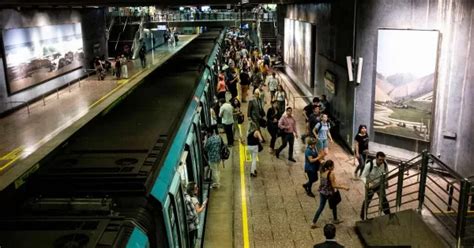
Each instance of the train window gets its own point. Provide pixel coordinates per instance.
(182, 168)
(181, 210)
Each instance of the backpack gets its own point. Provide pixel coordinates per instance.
(225, 152)
(321, 125)
(372, 166)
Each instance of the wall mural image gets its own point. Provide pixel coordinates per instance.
(37, 54)
(405, 74)
(298, 43)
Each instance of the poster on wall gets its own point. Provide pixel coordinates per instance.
(298, 46)
(37, 54)
(405, 78)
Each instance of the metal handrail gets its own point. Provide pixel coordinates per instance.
(120, 34)
(424, 166)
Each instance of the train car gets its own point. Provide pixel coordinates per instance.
(118, 181)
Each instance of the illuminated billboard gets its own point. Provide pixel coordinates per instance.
(298, 55)
(405, 78)
(37, 54)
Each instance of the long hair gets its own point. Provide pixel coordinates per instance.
(360, 128)
(327, 165)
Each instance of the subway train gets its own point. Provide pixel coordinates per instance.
(118, 181)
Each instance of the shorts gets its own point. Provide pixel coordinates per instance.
(322, 143)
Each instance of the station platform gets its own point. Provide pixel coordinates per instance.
(29, 134)
(272, 209)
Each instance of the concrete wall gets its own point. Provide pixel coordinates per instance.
(333, 43)
(93, 30)
(452, 132)
(453, 112)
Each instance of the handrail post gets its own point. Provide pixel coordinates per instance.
(383, 179)
(423, 176)
(450, 196)
(401, 173)
(462, 211)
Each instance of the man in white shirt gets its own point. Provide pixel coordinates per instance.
(226, 113)
(374, 170)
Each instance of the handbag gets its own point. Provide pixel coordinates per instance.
(225, 152)
(240, 118)
(260, 147)
(335, 197)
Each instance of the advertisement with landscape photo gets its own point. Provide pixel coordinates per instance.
(406, 69)
(37, 54)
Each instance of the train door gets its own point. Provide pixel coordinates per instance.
(205, 110)
(199, 149)
(175, 212)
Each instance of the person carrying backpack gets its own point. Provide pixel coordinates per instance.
(371, 176)
(213, 148)
(322, 133)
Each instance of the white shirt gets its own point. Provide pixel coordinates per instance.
(226, 113)
(373, 176)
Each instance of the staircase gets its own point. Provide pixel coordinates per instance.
(429, 205)
(122, 36)
(268, 34)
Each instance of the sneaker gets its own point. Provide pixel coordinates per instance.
(335, 222)
(253, 175)
(310, 194)
(292, 159)
(314, 226)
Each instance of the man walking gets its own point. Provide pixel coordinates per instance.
(288, 124)
(213, 148)
(372, 175)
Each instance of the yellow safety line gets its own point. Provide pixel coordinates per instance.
(12, 156)
(243, 189)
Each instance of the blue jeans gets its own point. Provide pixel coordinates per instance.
(322, 202)
(360, 168)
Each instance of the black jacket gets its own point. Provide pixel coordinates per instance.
(328, 244)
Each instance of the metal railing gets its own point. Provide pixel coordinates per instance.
(445, 197)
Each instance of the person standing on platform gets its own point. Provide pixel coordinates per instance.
(327, 188)
(142, 55)
(373, 172)
(254, 138)
(322, 132)
(312, 161)
(288, 124)
(213, 147)
(330, 234)
(244, 83)
(255, 110)
(221, 87)
(118, 67)
(236, 113)
(193, 208)
(361, 149)
(273, 115)
(191, 218)
(226, 112)
(123, 64)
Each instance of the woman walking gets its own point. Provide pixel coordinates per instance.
(254, 138)
(321, 131)
(280, 97)
(361, 149)
(327, 188)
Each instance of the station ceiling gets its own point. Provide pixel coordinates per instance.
(101, 3)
